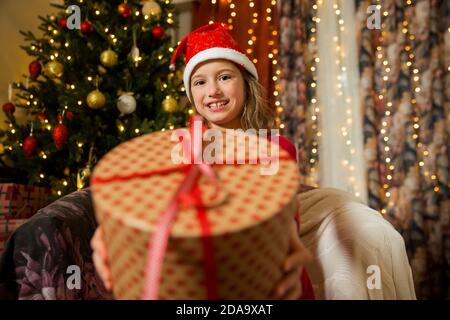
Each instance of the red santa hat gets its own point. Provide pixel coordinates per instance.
(213, 41)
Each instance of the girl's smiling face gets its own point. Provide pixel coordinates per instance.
(217, 88)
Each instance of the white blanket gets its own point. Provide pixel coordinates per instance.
(357, 253)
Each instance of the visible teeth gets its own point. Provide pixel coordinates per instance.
(216, 105)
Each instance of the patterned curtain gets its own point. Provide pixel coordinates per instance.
(405, 93)
(296, 59)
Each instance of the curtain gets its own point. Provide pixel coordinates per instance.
(341, 146)
(404, 61)
(298, 101)
(319, 92)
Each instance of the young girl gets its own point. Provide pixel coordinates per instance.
(222, 83)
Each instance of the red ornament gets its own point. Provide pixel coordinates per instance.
(67, 115)
(29, 146)
(124, 10)
(60, 136)
(158, 32)
(86, 26)
(8, 108)
(63, 23)
(35, 69)
(42, 116)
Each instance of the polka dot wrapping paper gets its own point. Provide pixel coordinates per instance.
(248, 233)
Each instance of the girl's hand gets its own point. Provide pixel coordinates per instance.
(290, 287)
(100, 258)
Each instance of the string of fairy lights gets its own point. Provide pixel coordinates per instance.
(233, 13)
(383, 97)
(314, 109)
(345, 100)
(251, 33)
(414, 72)
(273, 58)
(231, 8)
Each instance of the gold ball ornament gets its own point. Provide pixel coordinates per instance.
(151, 8)
(170, 104)
(95, 99)
(54, 69)
(108, 58)
(66, 171)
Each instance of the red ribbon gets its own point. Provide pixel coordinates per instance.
(209, 264)
(188, 193)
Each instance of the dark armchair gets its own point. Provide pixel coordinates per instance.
(49, 256)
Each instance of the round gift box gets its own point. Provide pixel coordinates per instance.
(249, 231)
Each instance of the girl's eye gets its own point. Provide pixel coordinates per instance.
(225, 77)
(199, 83)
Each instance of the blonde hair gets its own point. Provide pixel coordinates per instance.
(257, 114)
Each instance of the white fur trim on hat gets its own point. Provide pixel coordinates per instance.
(216, 53)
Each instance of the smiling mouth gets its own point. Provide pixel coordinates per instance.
(217, 106)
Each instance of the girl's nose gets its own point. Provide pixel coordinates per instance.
(214, 89)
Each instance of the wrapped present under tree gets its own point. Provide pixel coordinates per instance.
(18, 201)
(7, 227)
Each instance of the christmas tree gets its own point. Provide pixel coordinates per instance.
(99, 75)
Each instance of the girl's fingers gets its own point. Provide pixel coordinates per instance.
(290, 283)
(98, 245)
(100, 258)
(96, 241)
(102, 271)
(299, 254)
(296, 260)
